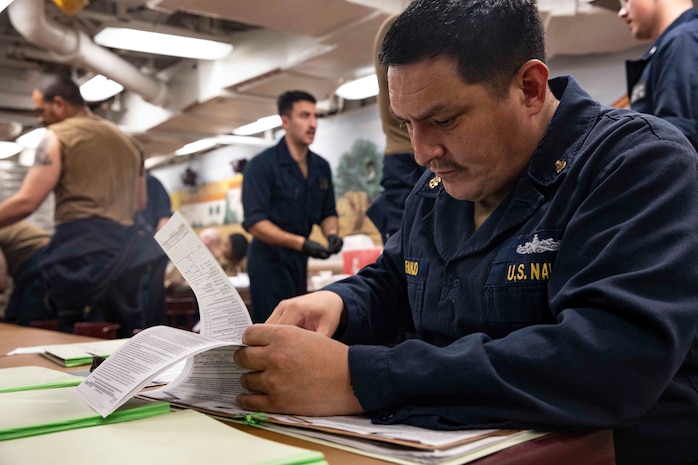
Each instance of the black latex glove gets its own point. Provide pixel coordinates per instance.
(334, 243)
(315, 249)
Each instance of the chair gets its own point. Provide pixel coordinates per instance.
(181, 311)
(99, 329)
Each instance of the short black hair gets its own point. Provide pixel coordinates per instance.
(488, 39)
(60, 85)
(286, 100)
(238, 245)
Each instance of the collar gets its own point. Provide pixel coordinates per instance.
(284, 154)
(573, 119)
(685, 17)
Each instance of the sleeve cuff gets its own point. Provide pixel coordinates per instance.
(370, 378)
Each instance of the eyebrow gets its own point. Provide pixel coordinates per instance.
(436, 109)
(392, 113)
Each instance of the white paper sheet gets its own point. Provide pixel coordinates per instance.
(208, 373)
(223, 312)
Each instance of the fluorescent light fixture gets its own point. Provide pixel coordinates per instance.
(261, 125)
(359, 89)
(162, 44)
(196, 146)
(229, 139)
(156, 160)
(4, 4)
(9, 149)
(99, 88)
(31, 139)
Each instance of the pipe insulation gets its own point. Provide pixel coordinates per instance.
(71, 45)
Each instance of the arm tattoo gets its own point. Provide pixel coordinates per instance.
(41, 157)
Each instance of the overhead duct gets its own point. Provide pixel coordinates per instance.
(70, 45)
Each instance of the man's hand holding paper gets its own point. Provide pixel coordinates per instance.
(290, 372)
(319, 312)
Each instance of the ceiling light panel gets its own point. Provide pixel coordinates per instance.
(359, 89)
(162, 44)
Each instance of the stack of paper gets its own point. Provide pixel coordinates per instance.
(383, 448)
(34, 403)
(34, 377)
(71, 355)
(34, 412)
(184, 437)
(402, 444)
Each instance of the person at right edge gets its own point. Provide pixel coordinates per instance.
(546, 260)
(664, 82)
(285, 191)
(400, 171)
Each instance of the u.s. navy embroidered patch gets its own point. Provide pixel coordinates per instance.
(525, 259)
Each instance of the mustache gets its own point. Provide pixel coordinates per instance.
(441, 166)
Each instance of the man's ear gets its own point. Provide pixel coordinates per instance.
(61, 105)
(532, 80)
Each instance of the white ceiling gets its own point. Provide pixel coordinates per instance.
(279, 45)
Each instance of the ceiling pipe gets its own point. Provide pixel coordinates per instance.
(71, 45)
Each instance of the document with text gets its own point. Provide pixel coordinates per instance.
(209, 371)
(210, 379)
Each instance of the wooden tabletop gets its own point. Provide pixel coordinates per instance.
(559, 449)
(12, 336)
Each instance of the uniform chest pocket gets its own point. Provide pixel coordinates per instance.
(288, 205)
(516, 291)
(315, 203)
(520, 305)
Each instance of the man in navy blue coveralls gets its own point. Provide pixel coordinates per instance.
(285, 191)
(546, 262)
(664, 82)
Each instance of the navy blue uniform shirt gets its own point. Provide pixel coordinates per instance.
(573, 306)
(274, 189)
(664, 82)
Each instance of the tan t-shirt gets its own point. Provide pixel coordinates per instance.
(19, 242)
(397, 140)
(101, 168)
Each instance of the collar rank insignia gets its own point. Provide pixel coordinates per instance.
(434, 182)
(560, 165)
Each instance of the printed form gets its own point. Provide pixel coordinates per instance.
(210, 380)
(209, 372)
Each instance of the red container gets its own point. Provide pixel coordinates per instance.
(356, 259)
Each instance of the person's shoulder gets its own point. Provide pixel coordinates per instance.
(634, 132)
(263, 162)
(685, 33)
(265, 156)
(320, 160)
